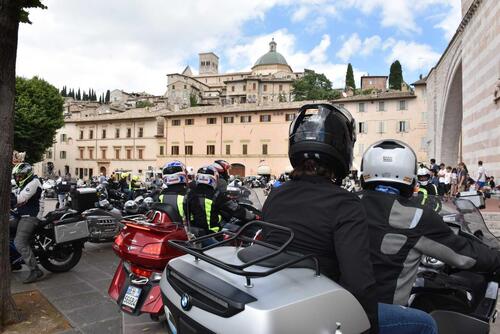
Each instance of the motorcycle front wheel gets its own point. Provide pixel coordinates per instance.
(61, 259)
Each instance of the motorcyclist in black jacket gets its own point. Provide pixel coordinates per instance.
(175, 186)
(402, 230)
(328, 221)
(222, 167)
(208, 206)
(26, 201)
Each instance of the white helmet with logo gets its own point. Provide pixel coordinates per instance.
(423, 176)
(389, 162)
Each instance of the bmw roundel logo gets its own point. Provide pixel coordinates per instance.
(185, 302)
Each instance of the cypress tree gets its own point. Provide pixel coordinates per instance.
(349, 77)
(108, 96)
(78, 95)
(395, 76)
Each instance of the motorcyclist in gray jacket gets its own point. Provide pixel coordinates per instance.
(26, 201)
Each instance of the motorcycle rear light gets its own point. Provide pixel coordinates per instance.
(153, 249)
(141, 272)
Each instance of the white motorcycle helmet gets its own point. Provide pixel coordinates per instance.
(148, 202)
(423, 176)
(389, 162)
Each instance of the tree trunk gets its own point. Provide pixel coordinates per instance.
(9, 26)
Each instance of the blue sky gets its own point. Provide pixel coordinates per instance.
(132, 45)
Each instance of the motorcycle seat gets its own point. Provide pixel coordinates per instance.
(255, 251)
(55, 215)
(169, 210)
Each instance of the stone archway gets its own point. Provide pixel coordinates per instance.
(451, 129)
(102, 170)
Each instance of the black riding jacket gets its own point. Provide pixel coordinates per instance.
(328, 222)
(207, 207)
(401, 231)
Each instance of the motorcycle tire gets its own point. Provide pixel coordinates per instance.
(67, 264)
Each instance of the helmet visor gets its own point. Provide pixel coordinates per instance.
(423, 178)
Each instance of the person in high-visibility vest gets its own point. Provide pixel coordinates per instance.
(427, 191)
(207, 205)
(175, 182)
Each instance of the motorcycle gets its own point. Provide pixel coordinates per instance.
(263, 288)
(143, 250)
(57, 241)
(460, 301)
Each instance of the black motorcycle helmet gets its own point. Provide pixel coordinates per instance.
(325, 133)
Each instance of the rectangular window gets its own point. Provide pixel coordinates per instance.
(264, 149)
(140, 152)
(81, 153)
(103, 133)
(63, 138)
(85, 171)
(280, 88)
(129, 132)
(289, 117)
(91, 153)
(264, 88)
(245, 119)
(362, 127)
(174, 150)
(49, 154)
(232, 88)
(381, 127)
(141, 133)
(228, 149)
(402, 105)
(103, 154)
(254, 86)
(185, 86)
(361, 107)
(228, 119)
(162, 150)
(91, 134)
(403, 126)
(210, 149)
(176, 122)
(188, 150)
(265, 118)
(189, 121)
(173, 87)
(117, 153)
(244, 88)
(81, 134)
(117, 133)
(129, 154)
(381, 106)
(211, 120)
(244, 149)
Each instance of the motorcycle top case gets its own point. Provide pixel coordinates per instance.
(70, 230)
(83, 199)
(202, 298)
(476, 197)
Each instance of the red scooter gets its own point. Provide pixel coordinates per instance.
(142, 246)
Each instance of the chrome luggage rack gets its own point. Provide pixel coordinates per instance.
(193, 248)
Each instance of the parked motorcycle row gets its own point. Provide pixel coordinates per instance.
(164, 270)
(89, 215)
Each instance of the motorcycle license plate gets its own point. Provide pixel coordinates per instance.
(132, 296)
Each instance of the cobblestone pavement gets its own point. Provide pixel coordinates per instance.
(81, 294)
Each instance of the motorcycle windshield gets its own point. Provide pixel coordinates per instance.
(244, 195)
(464, 213)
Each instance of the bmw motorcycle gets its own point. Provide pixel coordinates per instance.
(263, 288)
(57, 242)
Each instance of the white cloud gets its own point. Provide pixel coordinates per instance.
(451, 19)
(316, 59)
(413, 56)
(316, 12)
(370, 44)
(107, 44)
(351, 46)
